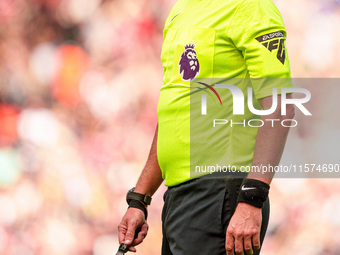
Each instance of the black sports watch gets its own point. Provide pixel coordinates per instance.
(131, 195)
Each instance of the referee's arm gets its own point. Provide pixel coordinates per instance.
(148, 182)
(245, 224)
(271, 139)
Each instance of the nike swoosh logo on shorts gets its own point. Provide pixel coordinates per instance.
(247, 188)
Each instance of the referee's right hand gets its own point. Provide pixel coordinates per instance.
(243, 232)
(133, 219)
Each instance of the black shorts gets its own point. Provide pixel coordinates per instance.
(196, 215)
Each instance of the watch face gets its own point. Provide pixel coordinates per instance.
(131, 190)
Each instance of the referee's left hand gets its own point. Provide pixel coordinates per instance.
(244, 230)
(132, 219)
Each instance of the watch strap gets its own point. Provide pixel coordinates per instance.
(145, 199)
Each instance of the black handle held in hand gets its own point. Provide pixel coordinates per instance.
(123, 248)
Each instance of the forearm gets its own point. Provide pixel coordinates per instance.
(151, 176)
(268, 150)
(148, 183)
(270, 142)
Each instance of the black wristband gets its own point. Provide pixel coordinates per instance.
(253, 192)
(139, 205)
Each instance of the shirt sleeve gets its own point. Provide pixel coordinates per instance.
(258, 32)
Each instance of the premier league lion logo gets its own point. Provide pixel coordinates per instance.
(188, 64)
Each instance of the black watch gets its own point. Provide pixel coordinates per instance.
(131, 195)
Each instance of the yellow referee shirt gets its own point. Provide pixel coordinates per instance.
(211, 40)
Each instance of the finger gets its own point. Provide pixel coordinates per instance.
(256, 241)
(239, 245)
(141, 235)
(130, 233)
(145, 228)
(121, 232)
(229, 244)
(132, 249)
(247, 245)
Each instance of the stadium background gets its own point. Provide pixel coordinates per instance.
(79, 84)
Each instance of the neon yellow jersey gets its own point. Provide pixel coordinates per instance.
(214, 39)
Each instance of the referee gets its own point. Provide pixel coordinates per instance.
(213, 39)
